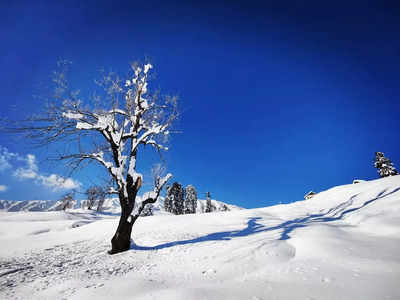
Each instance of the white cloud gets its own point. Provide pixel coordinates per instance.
(31, 171)
(22, 173)
(3, 188)
(4, 164)
(57, 182)
(6, 157)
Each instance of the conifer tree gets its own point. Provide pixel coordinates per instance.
(190, 200)
(208, 203)
(168, 200)
(384, 165)
(175, 199)
(179, 197)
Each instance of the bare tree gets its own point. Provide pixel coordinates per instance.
(66, 201)
(93, 194)
(101, 197)
(109, 130)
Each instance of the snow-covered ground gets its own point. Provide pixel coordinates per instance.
(342, 244)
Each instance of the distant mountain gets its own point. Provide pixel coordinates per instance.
(27, 205)
(110, 205)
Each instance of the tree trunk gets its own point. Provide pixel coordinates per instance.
(121, 240)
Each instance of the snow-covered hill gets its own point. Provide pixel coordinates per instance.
(341, 244)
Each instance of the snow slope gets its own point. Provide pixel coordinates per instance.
(341, 244)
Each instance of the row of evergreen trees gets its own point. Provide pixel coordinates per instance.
(179, 200)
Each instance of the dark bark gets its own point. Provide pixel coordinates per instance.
(121, 240)
(122, 237)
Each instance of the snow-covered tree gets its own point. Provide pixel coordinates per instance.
(95, 197)
(175, 199)
(169, 199)
(101, 195)
(67, 201)
(384, 165)
(224, 208)
(208, 203)
(190, 200)
(180, 201)
(100, 204)
(179, 192)
(110, 130)
(91, 194)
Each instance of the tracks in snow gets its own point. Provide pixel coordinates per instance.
(37, 271)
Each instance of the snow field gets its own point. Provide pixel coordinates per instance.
(341, 244)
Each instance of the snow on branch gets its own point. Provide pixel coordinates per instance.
(123, 116)
(151, 196)
(111, 128)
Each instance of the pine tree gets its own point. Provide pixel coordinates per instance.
(190, 200)
(179, 192)
(168, 200)
(384, 165)
(208, 203)
(174, 202)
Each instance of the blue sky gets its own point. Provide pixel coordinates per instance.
(276, 99)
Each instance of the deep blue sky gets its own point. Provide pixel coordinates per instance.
(276, 99)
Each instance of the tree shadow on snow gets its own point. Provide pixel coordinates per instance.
(334, 214)
(252, 227)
